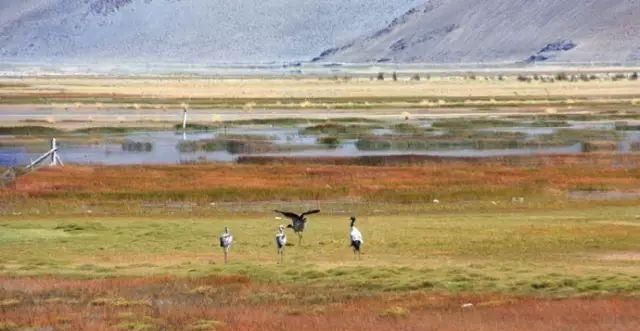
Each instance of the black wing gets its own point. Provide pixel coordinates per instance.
(288, 215)
(315, 211)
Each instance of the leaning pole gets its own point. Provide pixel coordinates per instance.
(52, 154)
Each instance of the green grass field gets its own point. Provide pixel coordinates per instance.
(549, 253)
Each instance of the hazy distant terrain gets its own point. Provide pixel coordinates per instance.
(251, 31)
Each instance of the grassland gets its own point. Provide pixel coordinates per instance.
(286, 93)
(412, 182)
(236, 303)
(135, 247)
(517, 243)
(516, 263)
(555, 253)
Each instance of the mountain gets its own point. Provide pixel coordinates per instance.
(187, 31)
(471, 31)
(277, 31)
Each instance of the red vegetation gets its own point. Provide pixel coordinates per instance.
(233, 303)
(406, 183)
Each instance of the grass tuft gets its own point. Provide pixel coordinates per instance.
(395, 312)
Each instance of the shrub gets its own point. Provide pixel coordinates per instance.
(523, 78)
(136, 146)
(618, 77)
(329, 140)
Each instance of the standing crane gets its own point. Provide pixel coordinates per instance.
(297, 221)
(281, 242)
(226, 239)
(356, 238)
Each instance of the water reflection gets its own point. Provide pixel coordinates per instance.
(164, 147)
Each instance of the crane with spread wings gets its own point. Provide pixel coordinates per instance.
(297, 221)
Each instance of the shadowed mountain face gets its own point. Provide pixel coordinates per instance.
(463, 31)
(191, 31)
(253, 31)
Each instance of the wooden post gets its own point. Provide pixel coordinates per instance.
(38, 160)
(54, 154)
(184, 118)
(184, 122)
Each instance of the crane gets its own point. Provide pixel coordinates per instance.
(297, 221)
(226, 239)
(355, 237)
(281, 242)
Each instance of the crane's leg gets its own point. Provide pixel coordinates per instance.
(225, 255)
(356, 250)
(299, 238)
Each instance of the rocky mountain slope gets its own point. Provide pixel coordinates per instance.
(467, 31)
(258, 31)
(191, 31)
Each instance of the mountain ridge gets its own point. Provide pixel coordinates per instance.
(332, 31)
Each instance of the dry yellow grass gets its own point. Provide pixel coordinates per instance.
(312, 88)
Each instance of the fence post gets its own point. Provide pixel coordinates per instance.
(184, 118)
(54, 154)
